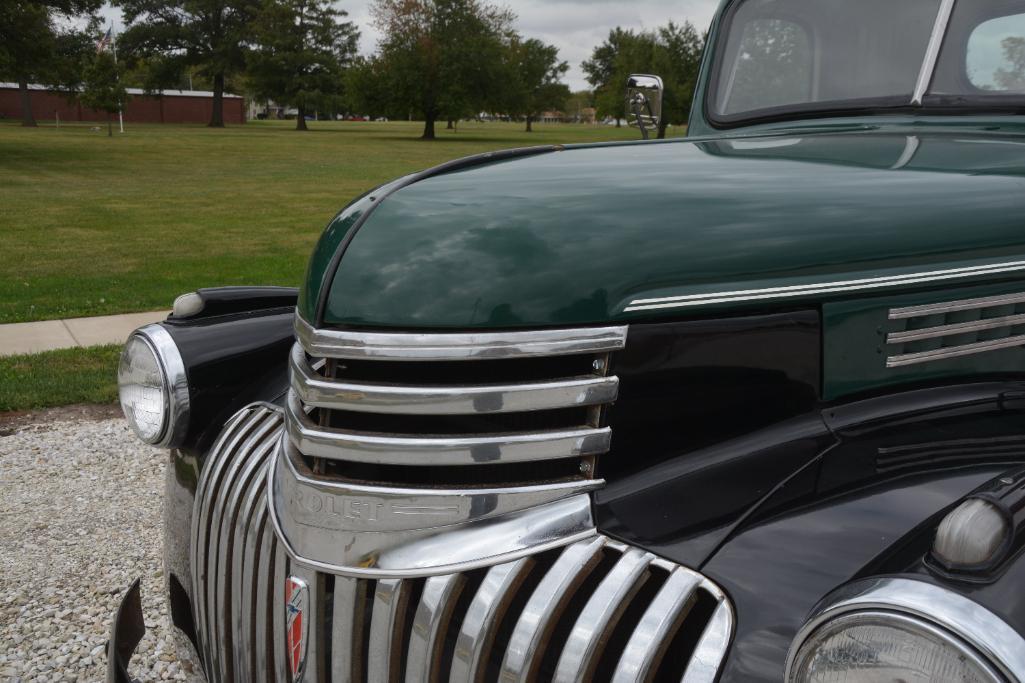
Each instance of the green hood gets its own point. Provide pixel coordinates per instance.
(576, 236)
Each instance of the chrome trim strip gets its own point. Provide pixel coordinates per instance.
(542, 610)
(707, 658)
(333, 444)
(177, 390)
(954, 306)
(245, 556)
(600, 615)
(932, 52)
(954, 351)
(742, 296)
(314, 390)
(378, 532)
(477, 633)
(423, 655)
(263, 616)
(1000, 644)
(398, 346)
(384, 656)
(956, 328)
(647, 644)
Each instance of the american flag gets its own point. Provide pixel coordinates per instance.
(104, 41)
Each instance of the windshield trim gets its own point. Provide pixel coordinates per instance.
(881, 105)
(932, 52)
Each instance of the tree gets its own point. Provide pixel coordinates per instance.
(602, 69)
(174, 36)
(102, 89)
(537, 72)
(39, 43)
(443, 58)
(672, 52)
(302, 52)
(1014, 53)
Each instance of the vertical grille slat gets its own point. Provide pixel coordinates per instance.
(245, 559)
(599, 616)
(390, 600)
(277, 591)
(704, 663)
(485, 611)
(539, 615)
(647, 644)
(346, 614)
(263, 610)
(427, 637)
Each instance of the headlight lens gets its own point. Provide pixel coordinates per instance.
(142, 385)
(886, 647)
(153, 387)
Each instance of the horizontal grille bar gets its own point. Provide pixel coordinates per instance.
(954, 351)
(457, 346)
(382, 449)
(955, 306)
(319, 392)
(955, 329)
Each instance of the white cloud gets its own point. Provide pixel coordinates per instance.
(574, 26)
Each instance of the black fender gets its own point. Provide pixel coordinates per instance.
(235, 352)
(784, 516)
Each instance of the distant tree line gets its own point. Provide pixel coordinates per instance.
(437, 61)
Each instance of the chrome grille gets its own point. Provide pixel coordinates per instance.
(591, 609)
(954, 329)
(238, 564)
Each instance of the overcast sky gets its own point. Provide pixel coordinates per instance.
(574, 26)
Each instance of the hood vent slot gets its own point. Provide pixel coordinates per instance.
(955, 329)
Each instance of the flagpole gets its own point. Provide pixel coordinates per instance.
(120, 113)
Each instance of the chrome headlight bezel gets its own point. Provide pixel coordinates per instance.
(175, 386)
(962, 622)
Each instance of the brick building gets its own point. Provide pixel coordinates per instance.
(171, 106)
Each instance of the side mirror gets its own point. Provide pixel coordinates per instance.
(644, 102)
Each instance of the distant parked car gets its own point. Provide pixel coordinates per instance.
(746, 406)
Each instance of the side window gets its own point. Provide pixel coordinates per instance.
(996, 55)
(772, 67)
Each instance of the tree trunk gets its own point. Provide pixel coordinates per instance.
(27, 119)
(217, 115)
(429, 128)
(530, 123)
(619, 122)
(110, 126)
(300, 119)
(450, 126)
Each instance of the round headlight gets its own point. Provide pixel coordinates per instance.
(153, 388)
(885, 647)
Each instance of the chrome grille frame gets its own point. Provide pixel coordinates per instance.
(447, 626)
(370, 528)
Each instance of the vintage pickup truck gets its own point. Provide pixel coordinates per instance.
(743, 406)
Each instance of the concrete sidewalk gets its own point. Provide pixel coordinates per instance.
(48, 335)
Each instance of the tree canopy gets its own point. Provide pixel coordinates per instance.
(444, 59)
(672, 51)
(209, 36)
(40, 43)
(535, 84)
(302, 50)
(102, 89)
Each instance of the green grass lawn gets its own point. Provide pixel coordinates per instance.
(91, 225)
(59, 378)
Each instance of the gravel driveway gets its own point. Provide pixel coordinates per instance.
(80, 519)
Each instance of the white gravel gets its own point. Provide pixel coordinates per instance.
(80, 519)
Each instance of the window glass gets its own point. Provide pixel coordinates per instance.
(812, 54)
(996, 55)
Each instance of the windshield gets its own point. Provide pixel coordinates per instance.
(786, 57)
